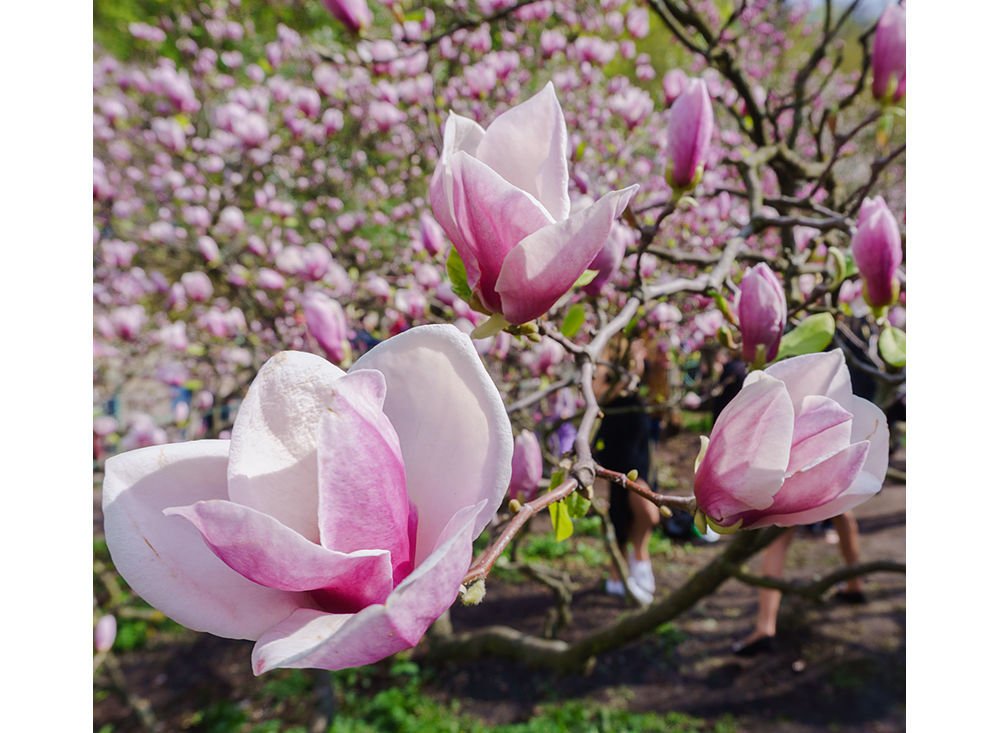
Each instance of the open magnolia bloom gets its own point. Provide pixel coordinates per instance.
(795, 446)
(502, 197)
(337, 524)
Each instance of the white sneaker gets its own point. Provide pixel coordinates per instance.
(641, 594)
(642, 571)
(614, 587)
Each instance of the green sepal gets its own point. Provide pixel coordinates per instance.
(699, 522)
(892, 346)
(812, 335)
(723, 529)
(586, 278)
(575, 317)
(561, 521)
(457, 275)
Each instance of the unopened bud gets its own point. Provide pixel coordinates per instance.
(632, 475)
(665, 511)
(514, 506)
(474, 594)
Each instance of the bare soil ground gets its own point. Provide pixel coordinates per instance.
(835, 667)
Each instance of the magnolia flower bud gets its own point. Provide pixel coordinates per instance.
(889, 55)
(355, 14)
(762, 312)
(878, 252)
(689, 130)
(526, 466)
(105, 633)
(327, 324)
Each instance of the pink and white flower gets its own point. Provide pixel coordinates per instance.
(795, 446)
(337, 523)
(502, 197)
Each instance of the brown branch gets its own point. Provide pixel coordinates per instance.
(681, 503)
(484, 563)
(818, 586)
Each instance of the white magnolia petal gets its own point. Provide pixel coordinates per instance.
(164, 559)
(272, 460)
(824, 373)
(865, 486)
(453, 429)
(871, 424)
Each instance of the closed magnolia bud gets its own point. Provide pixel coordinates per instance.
(889, 55)
(878, 252)
(355, 14)
(689, 130)
(327, 324)
(762, 312)
(526, 467)
(105, 632)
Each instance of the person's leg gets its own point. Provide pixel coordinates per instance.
(768, 600)
(850, 545)
(645, 517)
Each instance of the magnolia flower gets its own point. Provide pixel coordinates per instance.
(689, 130)
(355, 14)
(794, 446)
(337, 523)
(105, 632)
(501, 195)
(889, 55)
(762, 313)
(878, 252)
(327, 324)
(526, 470)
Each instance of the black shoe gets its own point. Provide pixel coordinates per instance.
(854, 597)
(759, 646)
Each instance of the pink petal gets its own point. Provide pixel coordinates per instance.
(325, 641)
(871, 424)
(363, 502)
(527, 146)
(821, 429)
(164, 560)
(272, 460)
(492, 216)
(862, 488)
(460, 133)
(453, 428)
(824, 373)
(545, 264)
(748, 450)
(262, 549)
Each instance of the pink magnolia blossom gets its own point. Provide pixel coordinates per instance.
(762, 312)
(889, 55)
(327, 324)
(689, 131)
(526, 471)
(197, 285)
(609, 259)
(501, 195)
(878, 252)
(337, 522)
(354, 14)
(105, 632)
(795, 446)
(675, 82)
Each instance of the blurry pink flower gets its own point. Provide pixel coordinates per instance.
(637, 22)
(127, 321)
(323, 528)
(105, 632)
(197, 285)
(354, 14)
(795, 446)
(327, 324)
(878, 252)
(209, 249)
(269, 279)
(431, 235)
(105, 425)
(889, 55)
(689, 130)
(526, 471)
(675, 82)
(762, 312)
(385, 115)
(502, 197)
